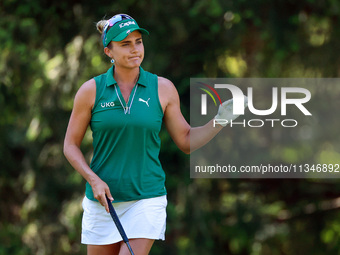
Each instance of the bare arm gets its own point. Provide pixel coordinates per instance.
(187, 139)
(79, 121)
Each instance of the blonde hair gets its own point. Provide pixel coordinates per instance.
(100, 25)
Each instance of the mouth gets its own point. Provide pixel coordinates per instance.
(134, 58)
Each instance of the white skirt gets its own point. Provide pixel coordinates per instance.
(145, 218)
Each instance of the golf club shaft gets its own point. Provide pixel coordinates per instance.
(118, 224)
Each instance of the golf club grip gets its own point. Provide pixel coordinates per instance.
(117, 221)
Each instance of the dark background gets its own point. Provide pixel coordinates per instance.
(49, 48)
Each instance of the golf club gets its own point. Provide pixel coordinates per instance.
(118, 225)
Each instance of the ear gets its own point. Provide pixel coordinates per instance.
(107, 51)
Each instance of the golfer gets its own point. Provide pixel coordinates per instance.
(125, 108)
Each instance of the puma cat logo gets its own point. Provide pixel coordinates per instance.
(142, 100)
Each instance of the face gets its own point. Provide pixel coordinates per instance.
(128, 53)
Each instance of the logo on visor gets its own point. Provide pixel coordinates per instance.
(127, 24)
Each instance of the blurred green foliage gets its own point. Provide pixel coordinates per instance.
(49, 48)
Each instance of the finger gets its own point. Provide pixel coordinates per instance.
(108, 198)
(108, 194)
(228, 105)
(105, 204)
(99, 199)
(228, 102)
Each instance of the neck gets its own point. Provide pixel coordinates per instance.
(126, 77)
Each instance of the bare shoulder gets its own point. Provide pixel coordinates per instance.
(167, 93)
(86, 94)
(167, 88)
(88, 87)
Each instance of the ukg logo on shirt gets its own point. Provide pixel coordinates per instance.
(107, 104)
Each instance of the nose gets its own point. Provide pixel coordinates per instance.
(134, 48)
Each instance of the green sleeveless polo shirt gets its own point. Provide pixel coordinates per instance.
(126, 146)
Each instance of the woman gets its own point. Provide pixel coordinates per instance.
(125, 108)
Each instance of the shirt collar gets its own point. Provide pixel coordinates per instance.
(111, 81)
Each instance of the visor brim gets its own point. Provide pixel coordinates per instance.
(124, 34)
